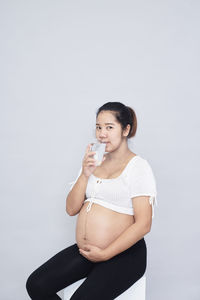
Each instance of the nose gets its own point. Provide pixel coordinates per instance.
(102, 134)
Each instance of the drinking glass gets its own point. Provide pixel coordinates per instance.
(99, 148)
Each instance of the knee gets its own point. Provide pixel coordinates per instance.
(33, 285)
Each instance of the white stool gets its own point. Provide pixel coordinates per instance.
(137, 291)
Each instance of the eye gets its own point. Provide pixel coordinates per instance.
(97, 127)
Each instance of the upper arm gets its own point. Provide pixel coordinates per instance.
(142, 211)
(143, 192)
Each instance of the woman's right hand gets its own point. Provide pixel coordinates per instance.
(89, 163)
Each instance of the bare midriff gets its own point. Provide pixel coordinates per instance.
(100, 225)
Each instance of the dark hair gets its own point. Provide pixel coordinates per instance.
(124, 115)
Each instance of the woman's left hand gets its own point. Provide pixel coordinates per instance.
(93, 253)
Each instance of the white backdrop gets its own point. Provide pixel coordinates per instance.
(60, 61)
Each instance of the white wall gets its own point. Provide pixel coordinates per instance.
(60, 61)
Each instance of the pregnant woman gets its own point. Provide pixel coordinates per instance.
(115, 206)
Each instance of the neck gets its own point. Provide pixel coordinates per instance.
(118, 155)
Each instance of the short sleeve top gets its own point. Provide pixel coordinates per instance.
(137, 179)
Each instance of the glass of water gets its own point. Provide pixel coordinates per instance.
(99, 148)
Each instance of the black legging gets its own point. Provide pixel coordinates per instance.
(104, 280)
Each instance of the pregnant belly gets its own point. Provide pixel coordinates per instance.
(100, 226)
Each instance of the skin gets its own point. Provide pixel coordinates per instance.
(101, 224)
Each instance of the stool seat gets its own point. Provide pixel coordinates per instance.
(137, 291)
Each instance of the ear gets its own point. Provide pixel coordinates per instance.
(126, 130)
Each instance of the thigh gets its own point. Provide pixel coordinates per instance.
(109, 279)
(61, 270)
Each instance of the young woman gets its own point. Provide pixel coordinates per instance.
(115, 206)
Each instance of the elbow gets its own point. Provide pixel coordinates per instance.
(147, 225)
(144, 227)
(68, 210)
(70, 213)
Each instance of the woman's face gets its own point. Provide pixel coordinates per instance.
(108, 130)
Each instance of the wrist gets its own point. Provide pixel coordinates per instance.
(106, 254)
(84, 177)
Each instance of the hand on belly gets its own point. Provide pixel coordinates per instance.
(92, 253)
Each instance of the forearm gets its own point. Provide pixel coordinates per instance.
(129, 237)
(76, 196)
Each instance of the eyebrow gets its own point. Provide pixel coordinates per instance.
(106, 123)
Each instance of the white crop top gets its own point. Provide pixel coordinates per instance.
(137, 179)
